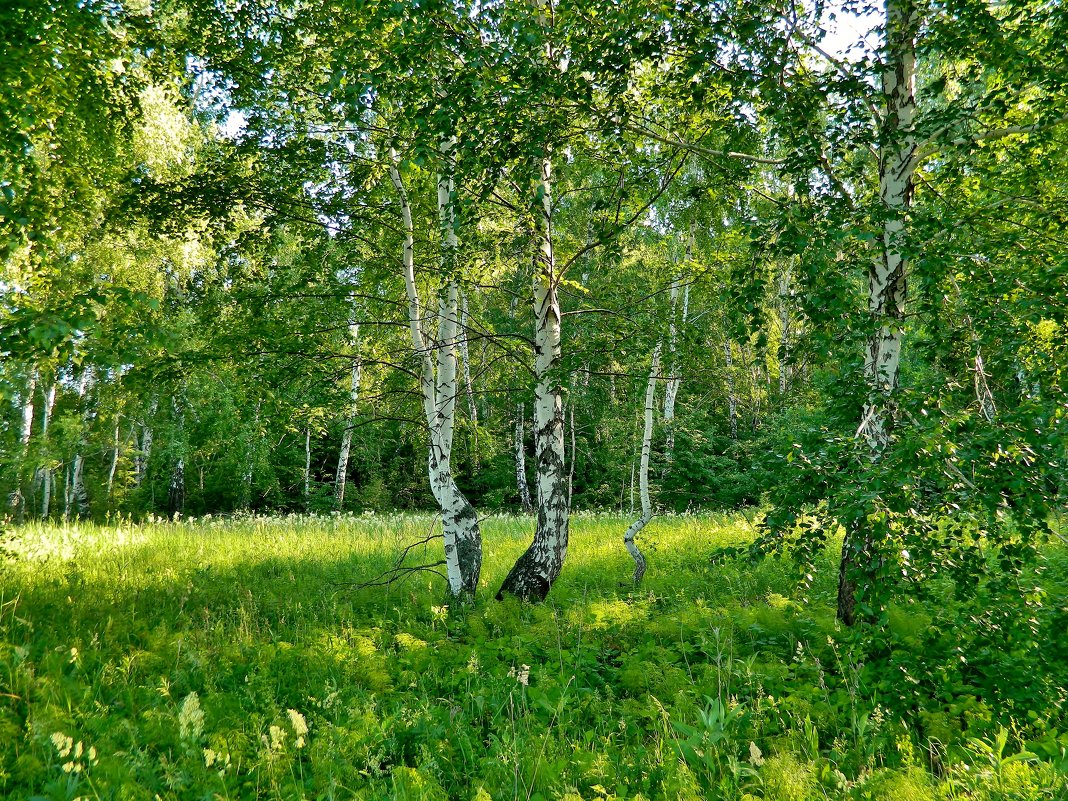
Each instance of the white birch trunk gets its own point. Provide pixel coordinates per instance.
(16, 501)
(341, 477)
(521, 460)
(534, 573)
(437, 384)
(643, 471)
(113, 469)
(44, 473)
(732, 396)
(176, 489)
(671, 389)
(571, 461)
(887, 275)
(144, 450)
(785, 330)
(307, 465)
(465, 358)
(76, 497)
(245, 501)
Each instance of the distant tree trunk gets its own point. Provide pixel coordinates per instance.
(521, 460)
(571, 461)
(785, 328)
(671, 389)
(16, 501)
(437, 383)
(887, 275)
(732, 396)
(307, 465)
(758, 374)
(245, 502)
(176, 489)
(76, 498)
(44, 473)
(144, 449)
(465, 358)
(643, 471)
(533, 574)
(341, 477)
(114, 468)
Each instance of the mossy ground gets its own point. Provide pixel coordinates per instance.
(235, 659)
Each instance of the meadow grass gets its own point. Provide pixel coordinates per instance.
(240, 658)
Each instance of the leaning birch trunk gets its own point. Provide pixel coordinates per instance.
(16, 501)
(521, 460)
(533, 574)
(643, 471)
(732, 396)
(459, 522)
(341, 477)
(887, 275)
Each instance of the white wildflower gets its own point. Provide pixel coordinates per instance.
(299, 724)
(62, 743)
(191, 718)
(755, 754)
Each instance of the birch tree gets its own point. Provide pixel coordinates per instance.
(341, 477)
(45, 473)
(888, 273)
(636, 527)
(438, 377)
(535, 571)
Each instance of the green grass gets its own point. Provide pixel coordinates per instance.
(236, 659)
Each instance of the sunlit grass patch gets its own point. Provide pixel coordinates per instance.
(240, 658)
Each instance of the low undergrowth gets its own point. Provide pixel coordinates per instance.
(238, 659)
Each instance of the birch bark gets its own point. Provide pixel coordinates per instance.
(533, 574)
(144, 449)
(732, 395)
(887, 275)
(465, 358)
(116, 445)
(341, 477)
(643, 471)
(307, 465)
(437, 383)
(521, 460)
(16, 501)
(671, 389)
(176, 489)
(44, 472)
(76, 498)
(785, 329)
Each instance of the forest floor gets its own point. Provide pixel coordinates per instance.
(236, 659)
